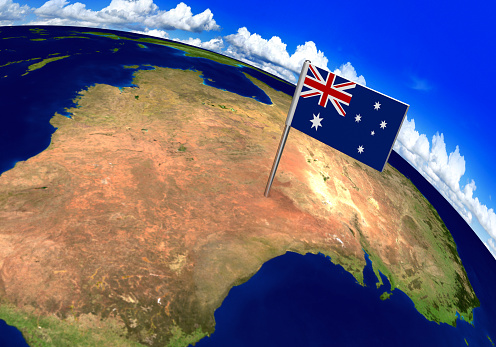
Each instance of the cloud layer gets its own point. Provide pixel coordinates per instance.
(271, 55)
(215, 45)
(137, 15)
(491, 246)
(10, 12)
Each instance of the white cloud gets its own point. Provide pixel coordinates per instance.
(215, 45)
(60, 9)
(254, 47)
(491, 246)
(133, 15)
(154, 32)
(449, 169)
(272, 55)
(348, 71)
(60, 21)
(128, 8)
(444, 172)
(11, 11)
(182, 18)
(310, 52)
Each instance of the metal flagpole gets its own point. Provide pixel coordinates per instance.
(287, 125)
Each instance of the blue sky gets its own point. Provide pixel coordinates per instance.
(437, 56)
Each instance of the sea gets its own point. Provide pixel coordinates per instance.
(293, 300)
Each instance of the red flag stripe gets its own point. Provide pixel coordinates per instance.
(328, 90)
(307, 94)
(344, 84)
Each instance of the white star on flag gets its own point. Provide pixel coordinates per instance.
(377, 106)
(360, 149)
(372, 133)
(358, 118)
(383, 124)
(316, 121)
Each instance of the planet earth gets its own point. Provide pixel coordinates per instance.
(131, 196)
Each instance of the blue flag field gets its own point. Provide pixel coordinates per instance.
(349, 117)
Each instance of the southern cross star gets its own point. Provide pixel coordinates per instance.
(383, 124)
(360, 149)
(316, 122)
(377, 106)
(372, 133)
(358, 118)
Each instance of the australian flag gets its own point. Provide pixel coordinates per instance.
(349, 117)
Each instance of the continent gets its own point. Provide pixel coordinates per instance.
(148, 207)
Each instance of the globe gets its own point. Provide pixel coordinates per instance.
(132, 211)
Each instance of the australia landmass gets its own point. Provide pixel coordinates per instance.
(148, 207)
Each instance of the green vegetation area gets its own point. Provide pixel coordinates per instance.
(347, 175)
(141, 46)
(438, 298)
(43, 63)
(86, 330)
(37, 30)
(70, 37)
(325, 177)
(14, 37)
(435, 305)
(180, 339)
(385, 296)
(19, 61)
(224, 107)
(190, 51)
(43, 32)
(378, 265)
(490, 340)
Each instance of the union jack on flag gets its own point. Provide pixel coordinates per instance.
(372, 121)
(328, 90)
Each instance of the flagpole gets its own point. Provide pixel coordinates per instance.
(287, 125)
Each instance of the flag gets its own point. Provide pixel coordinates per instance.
(347, 116)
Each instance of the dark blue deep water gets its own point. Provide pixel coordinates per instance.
(293, 300)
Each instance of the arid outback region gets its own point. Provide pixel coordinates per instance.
(148, 207)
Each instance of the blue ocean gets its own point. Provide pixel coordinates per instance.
(294, 300)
